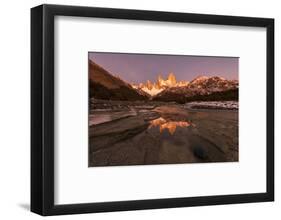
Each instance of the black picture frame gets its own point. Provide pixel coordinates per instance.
(42, 109)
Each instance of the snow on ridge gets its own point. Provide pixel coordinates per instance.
(153, 91)
(227, 105)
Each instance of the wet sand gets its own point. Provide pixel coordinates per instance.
(158, 133)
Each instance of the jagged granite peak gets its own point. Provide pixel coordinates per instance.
(153, 88)
(172, 78)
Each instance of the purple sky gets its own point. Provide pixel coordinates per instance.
(136, 68)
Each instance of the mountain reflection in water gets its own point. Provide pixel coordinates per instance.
(169, 125)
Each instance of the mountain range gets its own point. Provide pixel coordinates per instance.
(103, 85)
(201, 88)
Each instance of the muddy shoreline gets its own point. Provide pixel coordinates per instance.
(140, 133)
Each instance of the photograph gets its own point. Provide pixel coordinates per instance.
(136, 109)
(149, 109)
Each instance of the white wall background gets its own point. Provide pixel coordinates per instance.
(15, 108)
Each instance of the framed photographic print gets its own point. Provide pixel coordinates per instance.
(136, 109)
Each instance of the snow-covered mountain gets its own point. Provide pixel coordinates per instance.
(201, 85)
(207, 85)
(153, 88)
(198, 87)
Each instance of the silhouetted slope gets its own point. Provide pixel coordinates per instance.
(103, 85)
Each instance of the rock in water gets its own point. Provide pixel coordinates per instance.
(200, 152)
